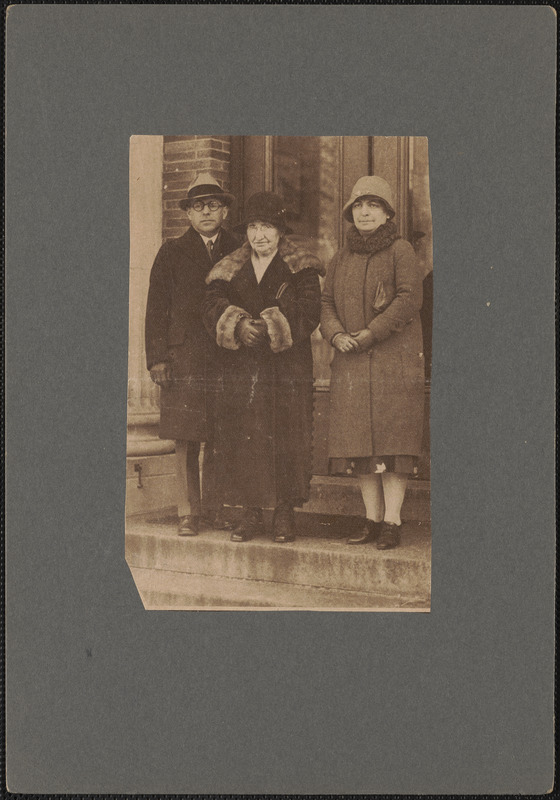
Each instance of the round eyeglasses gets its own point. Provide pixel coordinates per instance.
(213, 205)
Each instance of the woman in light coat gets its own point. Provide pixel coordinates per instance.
(370, 315)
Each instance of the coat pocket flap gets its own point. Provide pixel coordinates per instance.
(380, 299)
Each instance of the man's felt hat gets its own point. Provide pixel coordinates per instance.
(204, 185)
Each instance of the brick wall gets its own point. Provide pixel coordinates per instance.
(183, 158)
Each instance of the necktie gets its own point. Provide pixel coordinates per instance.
(210, 246)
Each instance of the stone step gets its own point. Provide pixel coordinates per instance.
(311, 562)
(164, 590)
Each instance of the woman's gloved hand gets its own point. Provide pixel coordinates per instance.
(345, 343)
(251, 332)
(364, 339)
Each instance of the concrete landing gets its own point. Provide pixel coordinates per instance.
(317, 571)
(178, 591)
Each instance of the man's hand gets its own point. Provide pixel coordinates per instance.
(345, 343)
(161, 374)
(251, 332)
(364, 339)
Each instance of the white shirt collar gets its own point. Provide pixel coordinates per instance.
(212, 239)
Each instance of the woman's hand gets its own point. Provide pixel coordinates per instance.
(345, 343)
(251, 332)
(364, 339)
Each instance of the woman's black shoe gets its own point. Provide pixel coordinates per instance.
(369, 532)
(283, 524)
(389, 537)
(251, 525)
(216, 521)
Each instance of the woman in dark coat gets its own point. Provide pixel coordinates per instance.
(262, 305)
(370, 315)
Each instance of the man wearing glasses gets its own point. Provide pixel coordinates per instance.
(180, 355)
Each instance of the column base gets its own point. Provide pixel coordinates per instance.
(142, 437)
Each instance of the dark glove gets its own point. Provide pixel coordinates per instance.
(345, 343)
(251, 332)
(364, 338)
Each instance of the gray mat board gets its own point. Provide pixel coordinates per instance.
(457, 701)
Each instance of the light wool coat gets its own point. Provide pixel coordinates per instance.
(377, 397)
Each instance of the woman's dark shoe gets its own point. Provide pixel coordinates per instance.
(188, 526)
(389, 537)
(221, 523)
(216, 521)
(369, 532)
(283, 524)
(251, 525)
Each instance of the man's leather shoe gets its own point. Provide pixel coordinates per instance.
(250, 525)
(389, 537)
(369, 532)
(188, 526)
(283, 524)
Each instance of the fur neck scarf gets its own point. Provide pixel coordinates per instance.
(297, 258)
(380, 239)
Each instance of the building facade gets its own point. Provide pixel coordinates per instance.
(314, 175)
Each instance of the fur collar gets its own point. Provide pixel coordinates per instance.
(380, 239)
(297, 258)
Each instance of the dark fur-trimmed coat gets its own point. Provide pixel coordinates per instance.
(264, 412)
(176, 335)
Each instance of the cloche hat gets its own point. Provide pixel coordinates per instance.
(371, 186)
(204, 185)
(264, 207)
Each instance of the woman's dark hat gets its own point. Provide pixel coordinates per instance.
(204, 185)
(264, 207)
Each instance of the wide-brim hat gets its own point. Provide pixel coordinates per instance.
(370, 186)
(264, 207)
(205, 185)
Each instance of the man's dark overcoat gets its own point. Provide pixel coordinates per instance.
(264, 412)
(175, 333)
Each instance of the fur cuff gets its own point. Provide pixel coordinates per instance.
(225, 327)
(278, 329)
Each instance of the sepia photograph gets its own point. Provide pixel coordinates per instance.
(278, 449)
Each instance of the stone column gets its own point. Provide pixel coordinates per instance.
(146, 171)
